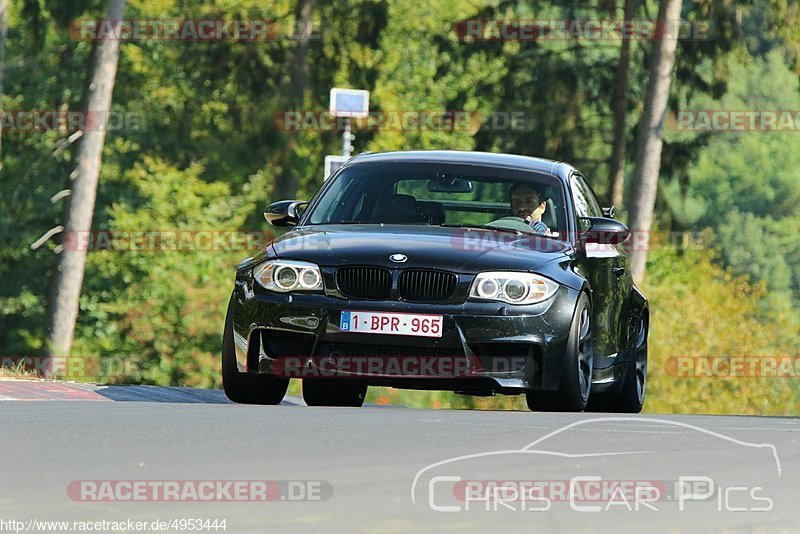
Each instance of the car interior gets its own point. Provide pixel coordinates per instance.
(422, 197)
(393, 208)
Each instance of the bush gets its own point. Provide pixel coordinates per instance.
(699, 309)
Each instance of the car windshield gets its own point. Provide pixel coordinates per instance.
(438, 194)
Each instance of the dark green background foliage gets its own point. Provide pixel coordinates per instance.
(207, 154)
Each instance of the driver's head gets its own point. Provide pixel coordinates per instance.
(528, 202)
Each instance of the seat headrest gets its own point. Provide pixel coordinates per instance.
(432, 212)
(396, 209)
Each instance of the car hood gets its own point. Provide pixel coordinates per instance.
(462, 250)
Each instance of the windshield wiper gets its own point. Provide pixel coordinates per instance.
(474, 227)
(498, 229)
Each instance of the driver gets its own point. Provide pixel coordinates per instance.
(529, 203)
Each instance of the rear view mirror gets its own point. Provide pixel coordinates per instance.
(449, 184)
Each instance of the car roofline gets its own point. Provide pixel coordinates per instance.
(558, 169)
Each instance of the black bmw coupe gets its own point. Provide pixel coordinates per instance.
(471, 272)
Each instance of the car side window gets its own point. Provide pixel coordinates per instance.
(585, 202)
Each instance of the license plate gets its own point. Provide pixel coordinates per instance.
(399, 324)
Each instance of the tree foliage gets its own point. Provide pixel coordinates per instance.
(206, 151)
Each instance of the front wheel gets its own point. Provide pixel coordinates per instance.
(317, 392)
(246, 388)
(573, 390)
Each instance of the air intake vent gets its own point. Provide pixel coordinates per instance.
(364, 282)
(348, 350)
(419, 285)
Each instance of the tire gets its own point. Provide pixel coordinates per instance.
(246, 388)
(575, 385)
(631, 395)
(318, 392)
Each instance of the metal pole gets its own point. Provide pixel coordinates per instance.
(347, 147)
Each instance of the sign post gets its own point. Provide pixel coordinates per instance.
(349, 103)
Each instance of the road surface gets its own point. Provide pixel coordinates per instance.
(383, 469)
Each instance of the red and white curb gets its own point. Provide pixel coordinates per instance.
(16, 389)
(46, 390)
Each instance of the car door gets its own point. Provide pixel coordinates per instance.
(604, 266)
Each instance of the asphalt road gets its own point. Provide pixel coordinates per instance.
(382, 469)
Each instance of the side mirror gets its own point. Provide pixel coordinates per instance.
(285, 212)
(606, 231)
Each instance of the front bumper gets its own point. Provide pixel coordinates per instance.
(490, 346)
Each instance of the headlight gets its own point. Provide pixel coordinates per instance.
(513, 288)
(284, 276)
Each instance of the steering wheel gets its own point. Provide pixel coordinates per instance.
(511, 223)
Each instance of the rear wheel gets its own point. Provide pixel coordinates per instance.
(317, 392)
(572, 394)
(246, 388)
(630, 397)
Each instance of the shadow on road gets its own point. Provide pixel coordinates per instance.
(170, 395)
